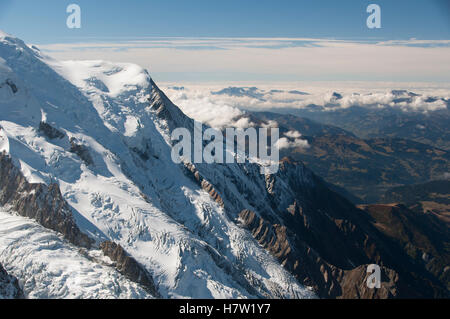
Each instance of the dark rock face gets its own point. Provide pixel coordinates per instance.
(50, 131)
(82, 152)
(391, 286)
(327, 243)
(203, 183)
(324, 240)
(306, 264)
(11, 85)
(424, 238)
(168, 111)
(40, 202)
(9, 286)
(128, 266)
(318, 235)
(46, 205)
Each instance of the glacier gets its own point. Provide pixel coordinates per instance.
(49, 267)
(129, 191)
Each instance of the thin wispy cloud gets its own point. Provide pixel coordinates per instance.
(206, 59)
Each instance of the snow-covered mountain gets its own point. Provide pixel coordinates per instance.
(94, 206)
(93, 129)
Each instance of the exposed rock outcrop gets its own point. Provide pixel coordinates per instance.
(317, 234)
(327, 243)
(128, 266)
(207, 186)
(82, 152)
(423, 237)
(50, 131)
(9, 286)
(40, 202)
(353, 284)
(46, 205)
(310, 269)
(11, 85)
(168, 111)
(347, 238)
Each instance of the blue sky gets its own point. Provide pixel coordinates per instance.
(320, 40)
(44, 21)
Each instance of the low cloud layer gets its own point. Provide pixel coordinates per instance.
(220, 106)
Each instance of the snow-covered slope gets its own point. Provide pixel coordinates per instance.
(49, 267)
(111, 159)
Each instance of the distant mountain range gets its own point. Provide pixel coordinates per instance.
(366, 168)
(253, 92)
(428, 198)
(430, 127)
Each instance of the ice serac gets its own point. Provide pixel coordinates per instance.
(316, 234)
(47, 266)
(43, 203)
(99, 133)
(199, 231)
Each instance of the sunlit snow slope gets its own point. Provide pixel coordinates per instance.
(49, 267)
(122, 187)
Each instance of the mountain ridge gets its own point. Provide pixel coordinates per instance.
(195, 229)
(159, 218)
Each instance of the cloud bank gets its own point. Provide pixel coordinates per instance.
(220, 106)
(216, 80)
(276, 59)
